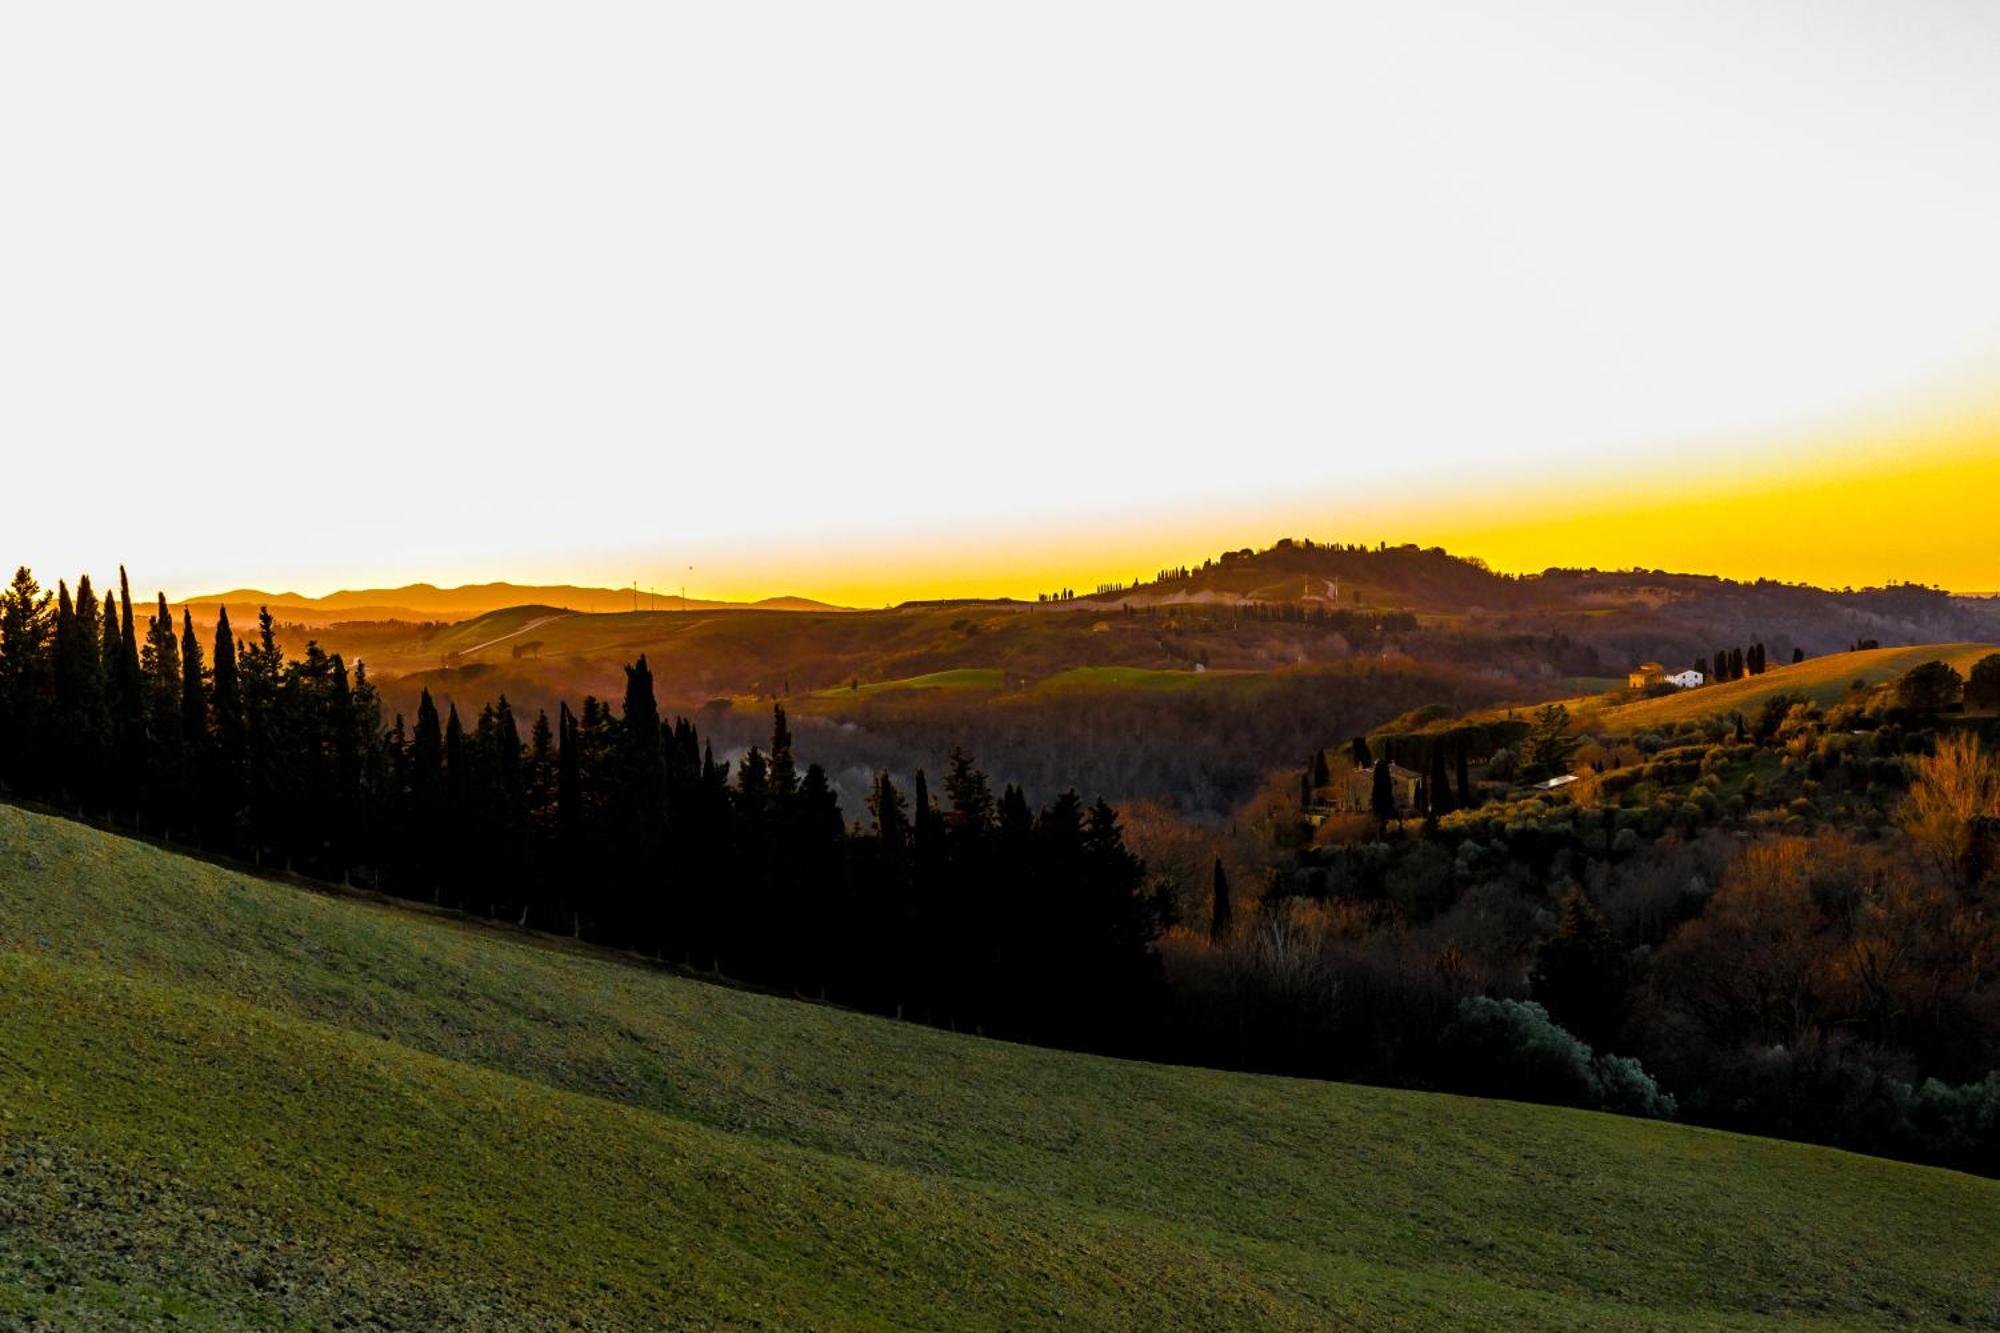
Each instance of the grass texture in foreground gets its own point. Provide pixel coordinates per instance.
(249, 1105)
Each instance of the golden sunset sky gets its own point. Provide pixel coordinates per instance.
(890, 300)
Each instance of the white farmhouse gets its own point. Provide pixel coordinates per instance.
(1686, 680)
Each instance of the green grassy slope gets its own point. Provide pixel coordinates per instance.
(247, 1104)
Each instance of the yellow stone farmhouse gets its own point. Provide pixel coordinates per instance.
(1646, 675)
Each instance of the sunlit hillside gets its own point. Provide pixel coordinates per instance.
(1824, 680)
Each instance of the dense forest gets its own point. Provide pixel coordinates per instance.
(610, 822)
(1787, 923)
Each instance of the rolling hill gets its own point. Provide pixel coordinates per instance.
(235, 1102)
(1823, 679)
(426, 602)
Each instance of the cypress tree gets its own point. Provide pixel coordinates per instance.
(194, 695)
(197, 765)
(923, 813)
(1357, 750)
(79, 696)
(1382, 792)
(377, 762)
(341, 819)
(1465, 801)
(129, 702)
(1219, 917)
(640, 818)
(427, 798)
(971, 799)
(166, 785)
(1439, 785)
(783, 770)
(569, 811)
(537, 900)
(133, 682)
(457, 805)
(892, 830)
(127, 736)
(225, 795)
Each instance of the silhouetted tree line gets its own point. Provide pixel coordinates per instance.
(1736, 663)
(611, 823)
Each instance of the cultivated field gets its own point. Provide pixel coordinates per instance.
(1823, 679)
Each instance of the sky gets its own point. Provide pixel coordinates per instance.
(870, 301)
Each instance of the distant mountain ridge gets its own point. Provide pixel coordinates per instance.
(427, 601)
(1632, 613)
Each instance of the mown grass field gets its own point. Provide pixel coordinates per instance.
(1824, 679)
(246, 1104)
(1145, 678)
(961, 678)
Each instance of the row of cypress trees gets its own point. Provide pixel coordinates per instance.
(614, 824)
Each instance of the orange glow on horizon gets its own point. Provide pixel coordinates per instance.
(1912, 505)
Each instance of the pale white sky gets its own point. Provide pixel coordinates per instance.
(328, 295)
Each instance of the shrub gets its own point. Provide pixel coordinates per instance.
(1959, 1126)
(1625, 1087)
(1982, 687)
(1511, 1048)
(1929, 688)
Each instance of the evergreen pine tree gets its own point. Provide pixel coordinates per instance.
(1219, 918)
(81, 716)
(335, 801)
(166, 782)
(458, 788)
(1579, 973)
(125, 758)
(131, 746)
(224, 796)
(892, 829)
(639, 820)
(197, 767)
(538, 900)
(27, 683)
(783, 772)
(570, 826)
(428, 805)
(505, 799)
